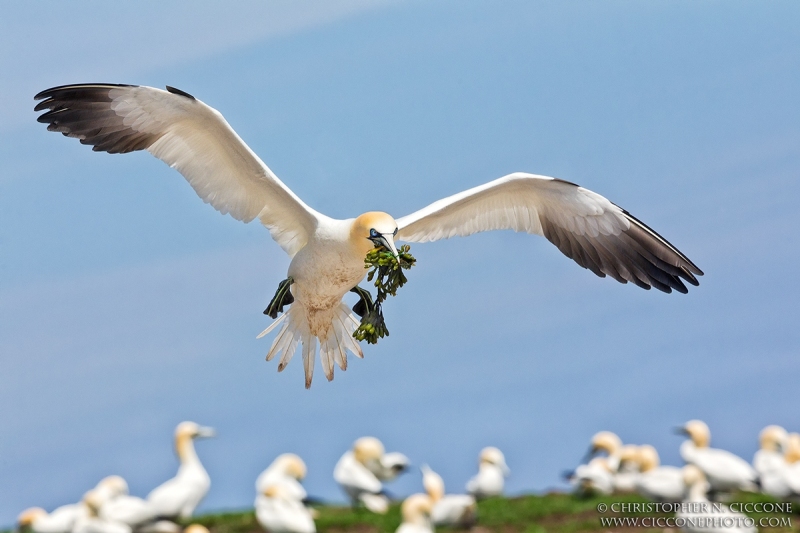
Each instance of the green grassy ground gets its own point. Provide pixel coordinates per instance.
(554, 512)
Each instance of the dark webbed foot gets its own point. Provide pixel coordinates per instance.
(283, 297)
(373, 326)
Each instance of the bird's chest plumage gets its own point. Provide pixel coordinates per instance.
(323, 272)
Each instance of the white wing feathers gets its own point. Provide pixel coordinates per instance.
(189, 136)
(585, 226)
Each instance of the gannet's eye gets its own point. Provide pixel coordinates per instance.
(373, 234)
(395, 232)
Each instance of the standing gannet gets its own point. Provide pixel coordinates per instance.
(328, 254)
(354, 474)
(608, 442)
(416, 512)
(702, 518)
(655, 482)
(792, 457)
(628, 469)
(286, 470)
(179, 496)
(278, 511)
(492, 471)
(770, 463)
(458, 510)
(725, 471)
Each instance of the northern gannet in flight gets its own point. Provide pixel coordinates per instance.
(327, 255)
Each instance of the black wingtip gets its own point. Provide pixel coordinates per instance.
(52, 90)
(173, 90)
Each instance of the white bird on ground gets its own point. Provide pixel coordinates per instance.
(63, 519)
(792, 457)
(179, 496)
(327, 255)
(355, 474)
(60, 520)
(278, 511)
(416, 512)
(770, 463)
(448, 509)
(725, 471)
(390, 466)
(492, 471)
(702, 518)
(286, 470)
(594, 477)
(92, 522)
(655, 482)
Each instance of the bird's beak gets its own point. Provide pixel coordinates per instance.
(591, 452)
(205, 432)
(387, 241)
(504, 468)
(680, 430)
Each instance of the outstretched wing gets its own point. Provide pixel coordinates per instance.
(189, 136)
(585, 226)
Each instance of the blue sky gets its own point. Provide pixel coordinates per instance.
(128, 305)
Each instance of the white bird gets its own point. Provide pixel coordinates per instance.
(492, 471)
(702, 518)
(725, 471)
(63, 519)
(92, 522)
(179, 496)
(458, 510)
(327, 255)
(655, 482)
(628, 469)
(286, 470)
(391, 465)
(278, 511)
(416, 512)
(792, 457)
(594, 477)
(354, 474)
(770, 463)
(60, 520)
(608, 442)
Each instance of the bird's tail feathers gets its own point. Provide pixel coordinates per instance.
(333, 348)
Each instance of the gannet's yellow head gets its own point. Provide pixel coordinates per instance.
(372, 230)
(692, 475)
(648, 458)
(493, 456)
(29, 516)
(275, 491)
(433, 483)
(368, 450)
(112, 486)
(605, 441)
(185, 432)
(773, 438)
(292, 465)
(94, 500)
(196, 528)
(416, 509)
(629, 455)
(698, 431)
(792, 448)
